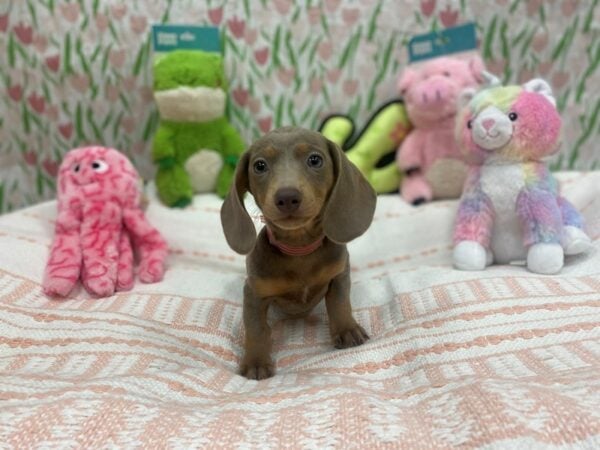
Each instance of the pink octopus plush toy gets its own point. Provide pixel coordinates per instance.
(99, 224)
(432, 164)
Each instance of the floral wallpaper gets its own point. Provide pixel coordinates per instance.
(76, 72)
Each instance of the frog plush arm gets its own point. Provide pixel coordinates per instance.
(233, 147)
(473, 228)
(172, 181)
(163, 148)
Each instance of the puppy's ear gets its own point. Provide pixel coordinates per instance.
(236, 222)
(351, 204)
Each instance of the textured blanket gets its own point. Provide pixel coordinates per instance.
(495, 359)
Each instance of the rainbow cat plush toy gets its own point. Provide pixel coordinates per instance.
(510, 209)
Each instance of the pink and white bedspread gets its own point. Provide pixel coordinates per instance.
(497, 359)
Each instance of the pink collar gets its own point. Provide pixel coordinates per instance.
(292, 250)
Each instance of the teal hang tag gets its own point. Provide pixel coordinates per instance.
(166, 38)
(458, 39)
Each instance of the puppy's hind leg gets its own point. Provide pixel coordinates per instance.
(256, 363)
(345, 331)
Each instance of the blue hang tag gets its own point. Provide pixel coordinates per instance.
(166, 38)
(451, 40)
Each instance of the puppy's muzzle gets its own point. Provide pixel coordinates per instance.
(288, 199)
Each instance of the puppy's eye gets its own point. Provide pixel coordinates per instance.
(76, 168)
(99, 166)
(260, 166)
(513, 116)
(315, 161)
(470, 124)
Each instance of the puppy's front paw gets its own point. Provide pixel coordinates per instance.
(350, 337)
(256, 368)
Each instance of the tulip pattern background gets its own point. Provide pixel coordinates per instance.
(79, 72)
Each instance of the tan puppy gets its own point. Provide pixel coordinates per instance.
(314, 201)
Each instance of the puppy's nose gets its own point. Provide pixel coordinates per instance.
(288, 200)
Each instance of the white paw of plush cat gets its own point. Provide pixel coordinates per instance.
(546, 259)
(575, 241)
(471, 255)
(510, 210)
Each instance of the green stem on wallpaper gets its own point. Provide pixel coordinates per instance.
(589, 17)
(303, 46)
(488, 39)
(594, 63)
(279, 113)
(290, 113)
(25, 119)
(290, 51)
(67, 68)
(586, 134)
(79, 123)
(32, 13)
(306, 114)
(275, 47)
(116, 125)
(106, 120)
(1, 196)
(373, 22)
(95, 129)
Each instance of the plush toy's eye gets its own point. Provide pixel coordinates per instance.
(99, 166)
(469, 124)
(76, 168)
(513, 116)
(446, 73)
(260, 166)
(315, 161)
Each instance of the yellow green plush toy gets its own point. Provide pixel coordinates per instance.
(195, 147)
(372, 151)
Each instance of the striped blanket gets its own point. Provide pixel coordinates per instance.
(497, 359)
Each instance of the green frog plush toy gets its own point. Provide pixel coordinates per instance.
(195, 147)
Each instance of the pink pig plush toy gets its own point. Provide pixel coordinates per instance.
(429, 156)
(99, 224)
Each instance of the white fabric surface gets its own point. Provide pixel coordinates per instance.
(496, 359)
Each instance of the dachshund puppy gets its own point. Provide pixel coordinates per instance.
(314, 201)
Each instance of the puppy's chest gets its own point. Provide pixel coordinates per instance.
(298, 283)
(502, 184)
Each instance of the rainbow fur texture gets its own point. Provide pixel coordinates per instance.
(100, 227)
(510, 209)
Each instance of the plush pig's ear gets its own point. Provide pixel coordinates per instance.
(477, 67)
(407, 78)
